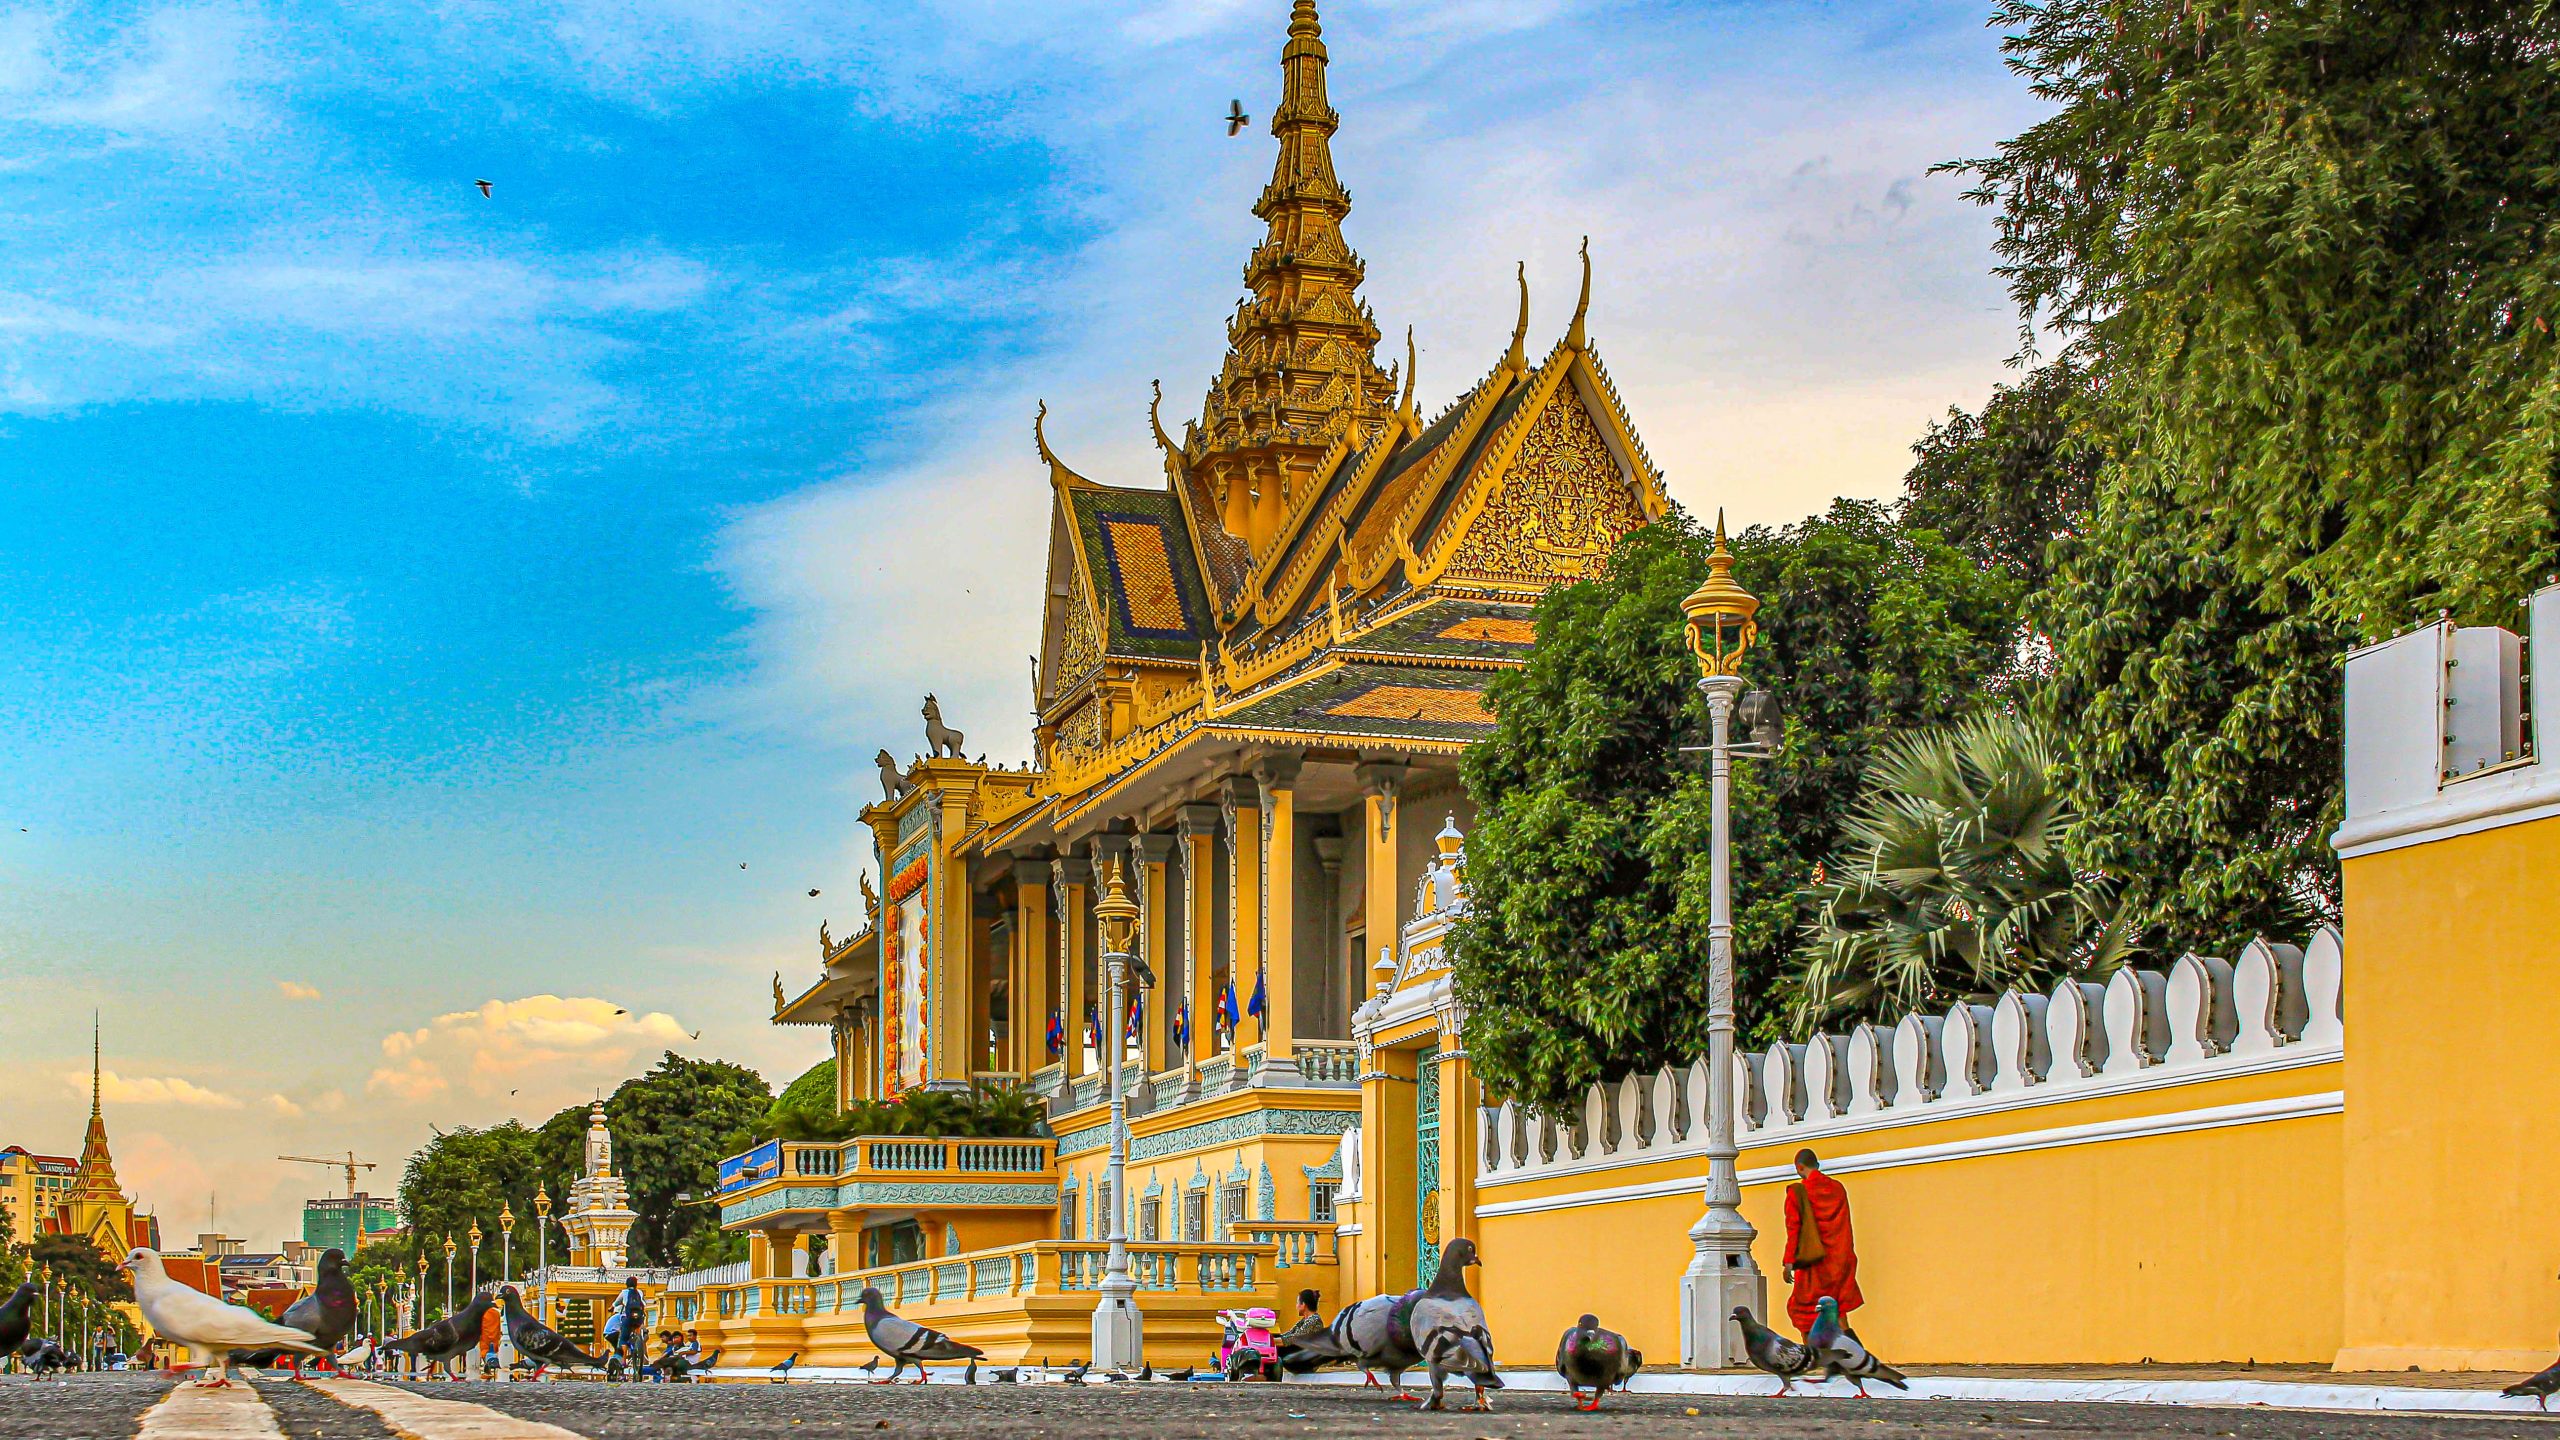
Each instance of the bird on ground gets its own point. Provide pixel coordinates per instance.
(1146, 1369)
(448, 1339)
(43, 1357)
(782, 1370)
(329, 1311)
(1009, 1376)
(1185, 1373)
(1376, 1334)
(869, 1366)
(1837, 1349)
(15, 1317)
(1772, 1351)
(905, 1341)
(1449, 1329)
(1075, 1375)
(190, 1317)
(2541, 1387)
(1596, 1359)
(970, 1376)
(1236, 118)
(484, 188)
(538, 1342)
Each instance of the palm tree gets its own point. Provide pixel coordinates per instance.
(1953, 880)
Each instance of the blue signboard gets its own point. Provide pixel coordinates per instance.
(762, 1163)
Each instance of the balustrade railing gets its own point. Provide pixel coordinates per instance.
(1329, 1063)
(1294, 1242)
(1042, 1267)
(901, 1155)
(2276, 1006)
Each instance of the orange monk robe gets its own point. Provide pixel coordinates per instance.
(1834, 1274)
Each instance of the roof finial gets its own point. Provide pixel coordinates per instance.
(1059, 475)
(1574, 338)
(94, 1070)
(1518, 359)
(1302, 21)
(1411, 364)
(1155, 421)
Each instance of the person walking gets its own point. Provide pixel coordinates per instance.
(1822, 1249)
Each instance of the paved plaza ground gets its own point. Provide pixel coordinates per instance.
(111, 1407)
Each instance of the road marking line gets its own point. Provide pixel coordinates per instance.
(195, 1412)
(418, 1418)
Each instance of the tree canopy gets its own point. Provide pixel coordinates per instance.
(1584, 953)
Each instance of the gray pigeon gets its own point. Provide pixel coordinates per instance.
(15, 1320)
(906, 1342)
(1449, 1329)
(1837, 1349)
(1376, 1334)
(329, 1311)
(2541, 1387)
(448, 1338)
(538, 1342)
(1589, 1357)
(1772, 1351)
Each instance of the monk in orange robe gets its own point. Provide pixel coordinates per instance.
(1822, 1253)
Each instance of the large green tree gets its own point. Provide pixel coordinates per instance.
(1584, 952)
(671, 1127)
(73, 1258)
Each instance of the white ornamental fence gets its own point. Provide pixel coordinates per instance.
(2276, 1007)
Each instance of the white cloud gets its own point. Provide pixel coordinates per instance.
(549, 1042)
(284, 1106)
(115, 1089)
(296, 990)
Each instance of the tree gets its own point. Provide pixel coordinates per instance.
(671, 1128)
(1954, 879)
(2300, 253)
(2005, 484)
(1583, 954)
(73, 1258)
(461, 1178)
(813, 1093)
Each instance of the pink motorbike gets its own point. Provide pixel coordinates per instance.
(1249, 1351)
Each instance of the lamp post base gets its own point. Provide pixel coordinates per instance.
(1119, 1331)
(1720, 1276)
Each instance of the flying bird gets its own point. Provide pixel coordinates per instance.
(906, 1342)
(538, 1342)
(1598, 1360)
(1837, 1349)
(696, 1035)
(484, 188)
(1772, 1351)
(1449, 1329)
(201, 1323)
(1236, 118)
(813, 894)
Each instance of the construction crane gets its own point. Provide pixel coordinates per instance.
(350, 1164)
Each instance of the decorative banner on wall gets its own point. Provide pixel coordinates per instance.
(906, 1042)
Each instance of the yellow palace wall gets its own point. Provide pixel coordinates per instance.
(2218, 1244)
(2453, 1164)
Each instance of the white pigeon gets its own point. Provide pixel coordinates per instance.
(209, 1327)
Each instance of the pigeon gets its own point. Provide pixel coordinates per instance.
(484, 188)
(329, 1311)
(782, 1370)
(1836, 1348)
(538, 1342)
(870, 1365)
(1376, 1333)
(1772, 1351)
(1598, 1359)
(970, 1376)
(15, 1317)
(1011, 1376)
(1146, 1369)
(43, 1357)
(447, 1339)
(203, 1324)
(905, 1341)
(1236, 118)
(1075, 1376)
(1449, 1329)
(1185, 1373)
(2541, 1387)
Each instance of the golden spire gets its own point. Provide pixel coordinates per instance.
(1575, 338)
(1302, 351)
(1412, 364)
(94, 1068)
(1518, 359)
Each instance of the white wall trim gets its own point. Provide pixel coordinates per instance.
(2158, 1077)
(2217, 1117)
(2509, 798)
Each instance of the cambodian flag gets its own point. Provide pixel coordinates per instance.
(1057, 1034)
(1132, 1033)
(1260, 1001)
(1182, 1024)
(1093, 1025)
(1227, 1005)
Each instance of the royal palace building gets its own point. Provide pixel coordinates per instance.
(1256, 673)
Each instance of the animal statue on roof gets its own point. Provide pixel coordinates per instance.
(894, 784)
(940, 740)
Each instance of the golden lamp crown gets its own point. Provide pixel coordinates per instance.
(1721, 627)
(1116, 913)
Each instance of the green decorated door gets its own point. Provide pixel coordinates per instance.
(1426, 1165)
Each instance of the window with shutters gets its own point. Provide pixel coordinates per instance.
(1320, 1200)
(1195, 1216)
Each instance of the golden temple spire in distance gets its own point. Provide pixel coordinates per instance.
(1301, 358)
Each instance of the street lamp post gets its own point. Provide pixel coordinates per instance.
(471, 1270)
(1119, 1331)
(542, 1242)
(448, 1274)
(1721, 624)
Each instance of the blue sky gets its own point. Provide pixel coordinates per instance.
(430, 601)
